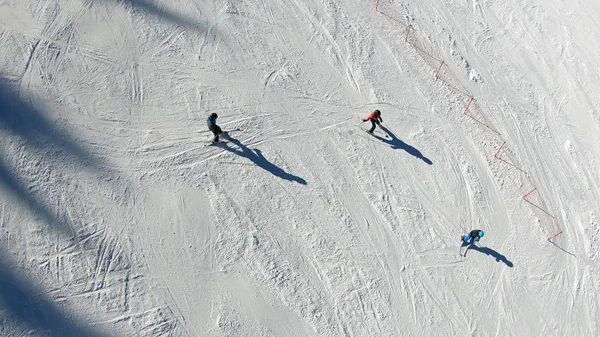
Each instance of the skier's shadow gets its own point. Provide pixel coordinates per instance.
(488, 251)
(257, 158)
(396, 143)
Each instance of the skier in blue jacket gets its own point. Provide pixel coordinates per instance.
(474, 236)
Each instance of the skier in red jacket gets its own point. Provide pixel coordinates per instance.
(375, 118)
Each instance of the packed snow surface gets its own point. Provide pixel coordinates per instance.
(119, 218)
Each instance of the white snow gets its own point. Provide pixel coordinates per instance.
(118, 219)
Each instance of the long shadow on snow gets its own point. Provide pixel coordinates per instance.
(179, 19)
(257, 158)
(31, 125)
(22, 303)
(396, 143)
(488, 251)
(19, 298)
(12, 184)
(561, 248)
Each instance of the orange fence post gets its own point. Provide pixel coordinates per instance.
(407, 32)
(526, 195)
(555, 235)
(501, 146)
(468, 105)
(438, 69)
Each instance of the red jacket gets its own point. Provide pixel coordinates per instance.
(374, 116)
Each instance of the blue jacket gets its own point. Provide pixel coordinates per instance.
(211, 122)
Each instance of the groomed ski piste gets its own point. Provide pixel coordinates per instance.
(117, 219)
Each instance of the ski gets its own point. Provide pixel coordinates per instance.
(378, 134)
(221, 142)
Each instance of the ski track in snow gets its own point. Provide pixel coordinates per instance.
(116, 218)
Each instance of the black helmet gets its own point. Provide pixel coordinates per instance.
(377, 112)
(214, 115)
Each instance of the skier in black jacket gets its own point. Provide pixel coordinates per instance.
(213, 127)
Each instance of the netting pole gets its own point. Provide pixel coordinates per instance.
(407, 32)
(496, 154)
(438, 69)
(526, 195)
(555, 235)
(468, 105)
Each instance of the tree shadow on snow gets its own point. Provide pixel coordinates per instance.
(396, 143)
(162, 12)
(31, 125)
(257, 158)
(43, 142)
(37, 140)
(488, 251)
(12, 184)
(29, 309)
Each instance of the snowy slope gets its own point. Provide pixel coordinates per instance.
(118, 218)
